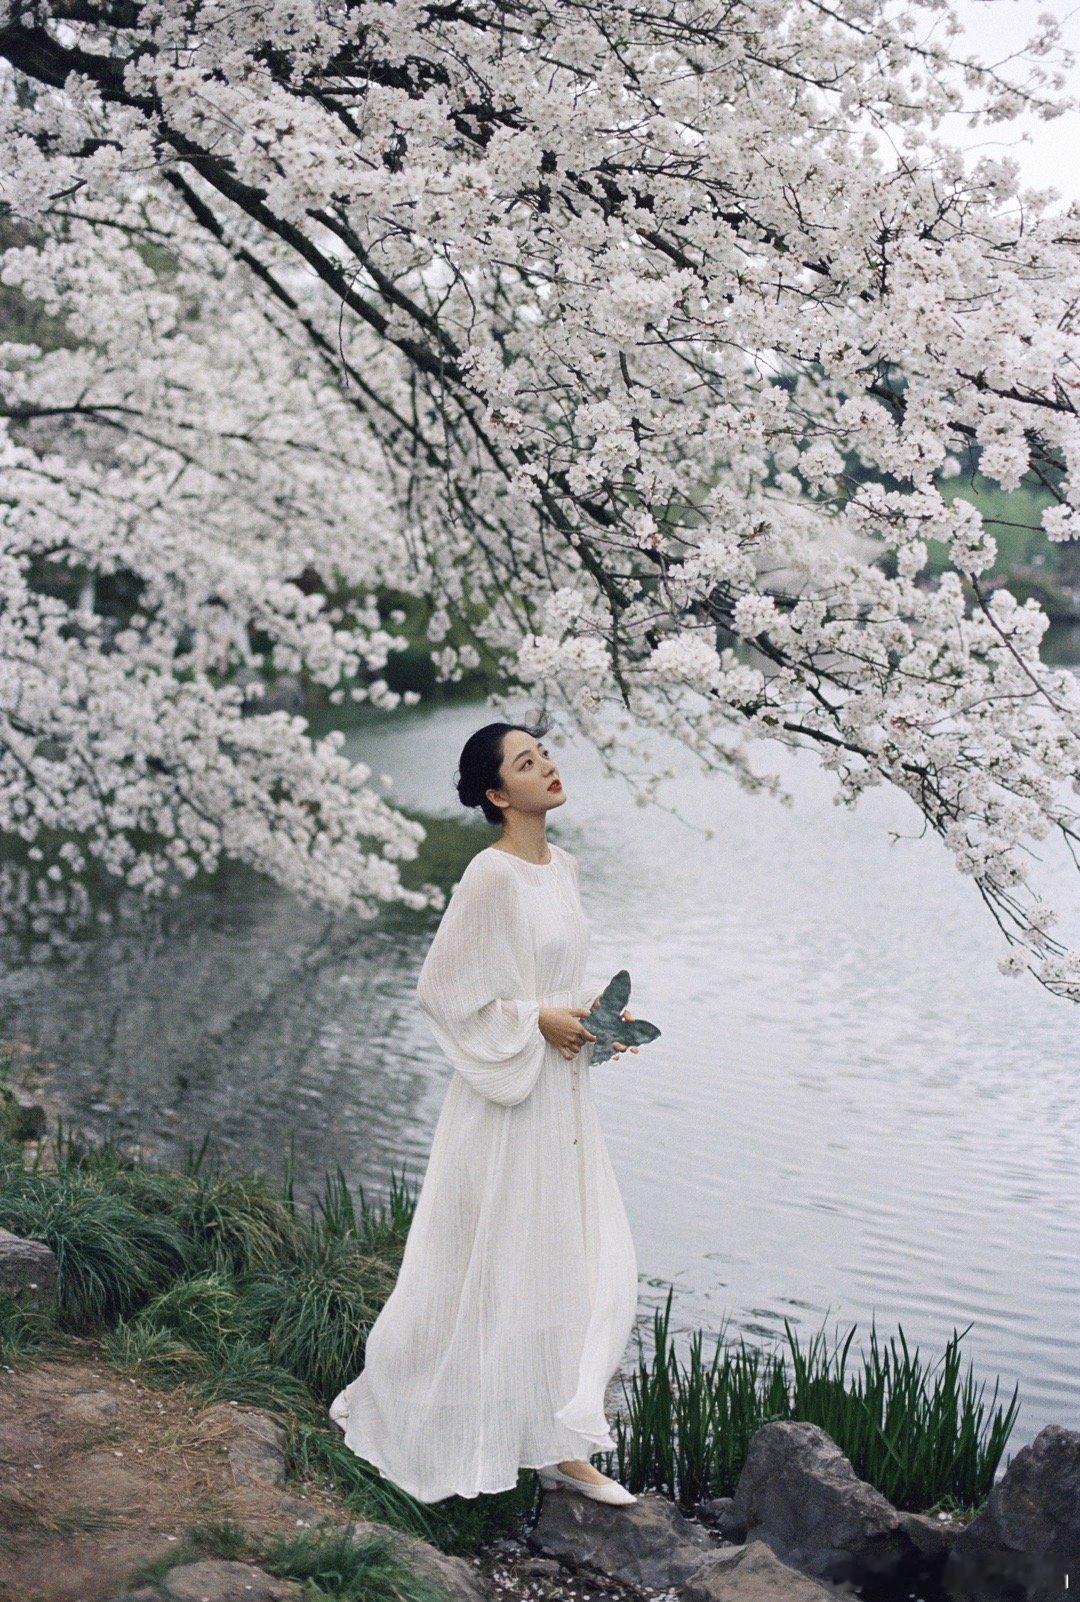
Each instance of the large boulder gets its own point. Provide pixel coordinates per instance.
(27, 1270)
(1023, 1543)
(932, 1534)
(647, 1543)
(800, 1495)
(753, 1573)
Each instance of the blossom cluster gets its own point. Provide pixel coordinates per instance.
(624, 344)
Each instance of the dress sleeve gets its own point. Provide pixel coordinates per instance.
(473, 990)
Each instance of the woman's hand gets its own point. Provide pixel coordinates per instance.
(570, 1037)
(561, 1027)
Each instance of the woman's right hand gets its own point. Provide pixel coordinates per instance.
(562, 1027)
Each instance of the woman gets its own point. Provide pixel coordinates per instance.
(518, 1286)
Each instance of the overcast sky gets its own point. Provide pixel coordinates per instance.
(997, 29)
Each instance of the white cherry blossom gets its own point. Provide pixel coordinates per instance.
(620, 338)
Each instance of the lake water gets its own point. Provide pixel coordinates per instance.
(850, 1114)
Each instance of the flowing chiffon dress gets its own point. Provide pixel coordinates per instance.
(518, 1287)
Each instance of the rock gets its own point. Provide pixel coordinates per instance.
(455, 1576)
(932, 1535)
(27, 1270)
(648, 1543)
(255, 1443)
(216, 1581)
(541, 1568)
(1025, 1540)
(799, 1493)
(753, 1573)
(287, 1505)
(92, 1407)
(721, 1514)
(26, 1118)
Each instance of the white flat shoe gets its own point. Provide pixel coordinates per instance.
(612, 1491)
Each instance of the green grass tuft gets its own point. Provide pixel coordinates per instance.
(328, 1562)
(155, 1355)
(316, 1454)
(334, 1564)
(26, 1335)
(206, 1312)
(316, 1316)
(245, 1372)
(109, 1256)
(215, 1538)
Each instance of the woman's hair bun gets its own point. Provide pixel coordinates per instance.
(468, 794)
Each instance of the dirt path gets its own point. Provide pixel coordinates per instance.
(99, 1474)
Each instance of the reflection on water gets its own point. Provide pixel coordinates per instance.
(241, 1013)
(850, 1113)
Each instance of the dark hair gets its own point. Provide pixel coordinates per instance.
(479, 764)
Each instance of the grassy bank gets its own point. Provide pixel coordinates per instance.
(219, 1281)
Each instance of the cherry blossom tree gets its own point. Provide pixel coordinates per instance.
(637, 340)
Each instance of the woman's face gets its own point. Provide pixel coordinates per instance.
(530, 777)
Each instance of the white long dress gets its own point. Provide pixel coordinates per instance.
(518, 1286)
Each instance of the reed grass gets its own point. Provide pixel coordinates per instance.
(926, 1440)
(316, 1315)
